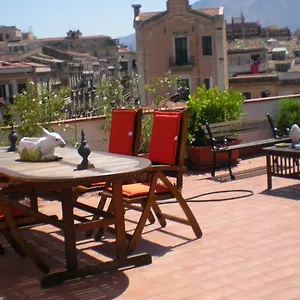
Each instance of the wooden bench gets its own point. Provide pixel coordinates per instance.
(220, 133)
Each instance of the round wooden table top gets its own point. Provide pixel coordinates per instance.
(108, 167)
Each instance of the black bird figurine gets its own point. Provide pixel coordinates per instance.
(84, 151)
(12, 137)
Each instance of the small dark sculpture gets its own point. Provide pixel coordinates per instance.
(12, 137)
(84, 151)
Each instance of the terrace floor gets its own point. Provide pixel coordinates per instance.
(250, 247)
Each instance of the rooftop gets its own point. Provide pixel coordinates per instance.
(246, 45)
(83, 37)
(19, 65)
(250, 248)
(207, 11)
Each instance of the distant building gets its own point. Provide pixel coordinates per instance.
(10, 34)
(279, 53)
(13, 34)
(99, 46)
(251, 74)
(277, 32)
(297, 34)
(189, 43)
(128, 67)
(247, 56)
(239, 29)
(15, 76)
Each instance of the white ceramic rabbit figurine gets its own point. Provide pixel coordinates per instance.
(40, 149)
(295, 134)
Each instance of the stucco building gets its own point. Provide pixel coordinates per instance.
(240, 29)
(15, 76)
(247, 56)
(189, 43)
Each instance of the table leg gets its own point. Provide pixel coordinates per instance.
(269, 174)
(69, 230)
(34, 201)
(119, 210)
(122, 260)
(70, 244)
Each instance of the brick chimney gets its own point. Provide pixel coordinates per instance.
(136, 9)
(172, 4)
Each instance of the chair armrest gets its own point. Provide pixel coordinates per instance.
(157, 168)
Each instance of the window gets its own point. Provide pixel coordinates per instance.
(265, 94)
(6, 92)
(183, 88)
(181, 51)
(207, 45)
(21, 87)
(208, 82)
(247, 95)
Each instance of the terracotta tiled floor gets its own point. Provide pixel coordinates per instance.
(250, 247)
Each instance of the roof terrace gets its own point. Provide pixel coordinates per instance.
(250, 248)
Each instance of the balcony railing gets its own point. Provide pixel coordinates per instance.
(183, 62)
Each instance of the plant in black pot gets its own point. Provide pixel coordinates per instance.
(212, 106)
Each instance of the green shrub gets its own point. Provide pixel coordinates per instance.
(212, 106)
(289, 114)
(37, 106)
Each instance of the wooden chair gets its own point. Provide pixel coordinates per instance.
(11, 219)
(167, 153)
(125, 133)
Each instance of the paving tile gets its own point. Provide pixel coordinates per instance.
(250, 248)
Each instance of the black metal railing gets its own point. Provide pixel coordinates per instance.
(182, 62)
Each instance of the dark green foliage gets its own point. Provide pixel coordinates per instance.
(289, 114)
(37, 106)
(212, 106)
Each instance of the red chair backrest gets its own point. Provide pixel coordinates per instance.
(123, 132)
(165, 137)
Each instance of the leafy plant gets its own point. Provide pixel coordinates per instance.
(211, 105)
(37, 106)
(110, 93)
(289, 113)
(160, 89)
(146, 133)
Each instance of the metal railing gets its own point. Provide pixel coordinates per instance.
(182, 62)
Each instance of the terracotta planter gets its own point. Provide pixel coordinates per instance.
(202, 157)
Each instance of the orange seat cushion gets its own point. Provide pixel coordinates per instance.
(100, 184)
(164, 138)
(13, 211)
(141, 189)
(122, 132)
(83, 188)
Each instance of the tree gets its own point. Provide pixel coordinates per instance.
(37, 106)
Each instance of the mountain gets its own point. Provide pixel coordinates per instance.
(128, 40)
(283, 13)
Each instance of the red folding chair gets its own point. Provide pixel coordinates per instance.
(125, 133)
(11, 219)
(167, 153)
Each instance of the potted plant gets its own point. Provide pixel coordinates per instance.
(212, 106)
(289, 114)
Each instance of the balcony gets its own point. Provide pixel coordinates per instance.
(187, 62)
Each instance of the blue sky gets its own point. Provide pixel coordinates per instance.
(53, 18)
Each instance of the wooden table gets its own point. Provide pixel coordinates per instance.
(62, 175)
(282, 162)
